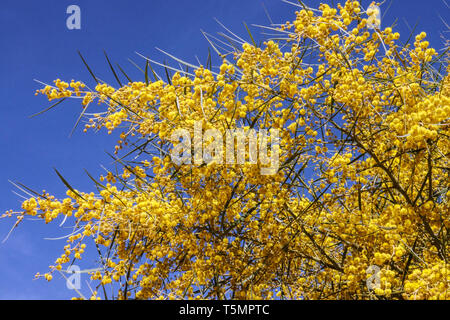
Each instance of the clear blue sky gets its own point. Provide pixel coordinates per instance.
(37, 45)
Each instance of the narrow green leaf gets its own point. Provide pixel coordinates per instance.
(87, 66)
(386, 10)
(411, 33)
(67, 184)
(153, 71)
(78, 120)
(146, 72)
(167, 75)
(112, 69)
(32, 191)
(45, 110)
(123, 72)
(250, 34)
(208, 60)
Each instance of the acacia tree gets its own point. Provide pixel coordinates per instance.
(362, 184)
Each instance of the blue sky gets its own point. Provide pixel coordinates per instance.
(36, 44)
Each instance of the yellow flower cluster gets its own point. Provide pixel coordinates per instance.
(363, 179)
(61, 89)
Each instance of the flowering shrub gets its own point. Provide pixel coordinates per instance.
(363, 177)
